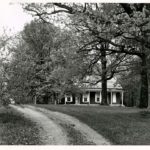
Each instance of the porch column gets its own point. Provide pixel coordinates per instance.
(75, 100)
(111, 97)
(89, 97)
(65, 99)
(122, 93)
(100, 97)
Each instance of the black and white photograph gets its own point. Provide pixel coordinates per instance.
(74, 73)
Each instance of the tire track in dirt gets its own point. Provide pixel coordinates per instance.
(89, 136)
(50, 132)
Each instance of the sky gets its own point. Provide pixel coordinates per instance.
(12, 17)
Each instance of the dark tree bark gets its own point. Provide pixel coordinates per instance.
(144, 84)
(104, 76)
(127, 8)
(144, 79)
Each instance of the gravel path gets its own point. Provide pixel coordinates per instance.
(62, 129)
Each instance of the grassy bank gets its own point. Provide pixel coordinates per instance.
(122, 126)
(16, 130)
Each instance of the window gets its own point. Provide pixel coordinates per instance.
(86, 97)
(97, 97)
(68, 98)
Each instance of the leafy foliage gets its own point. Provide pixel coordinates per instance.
(44, 64)
(99, 39)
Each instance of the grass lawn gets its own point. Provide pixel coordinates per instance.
(122, 126)
(17, 130)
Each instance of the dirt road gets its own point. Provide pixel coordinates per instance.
(61, 129)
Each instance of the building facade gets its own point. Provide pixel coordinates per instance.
(91, 94)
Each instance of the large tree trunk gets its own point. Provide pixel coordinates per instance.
(104, 77)
(144, 84)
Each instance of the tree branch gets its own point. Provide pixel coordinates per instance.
(70, 10)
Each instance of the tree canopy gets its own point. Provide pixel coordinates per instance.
(109, 28)
(69, 41)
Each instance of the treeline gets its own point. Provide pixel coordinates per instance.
(67, 42)
(44, 64)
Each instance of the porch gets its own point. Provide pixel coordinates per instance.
(91, 96)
